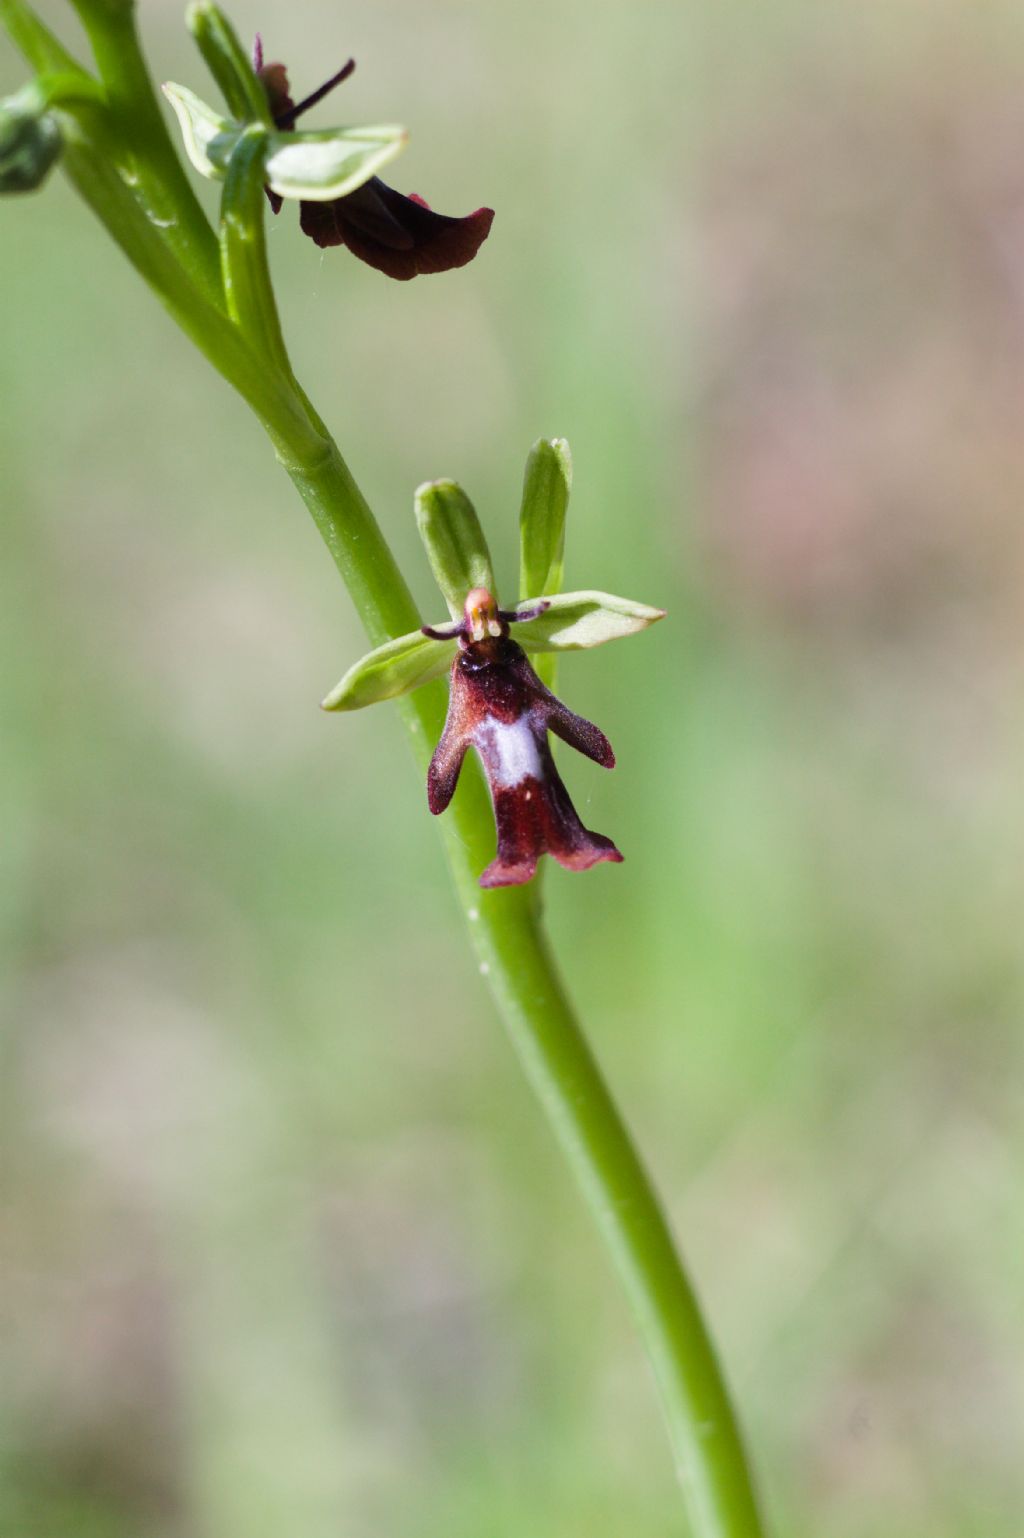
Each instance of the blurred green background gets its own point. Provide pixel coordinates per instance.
(286, 1247)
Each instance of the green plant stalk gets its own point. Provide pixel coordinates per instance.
(151, 164)
(209, 327)
(240, 336)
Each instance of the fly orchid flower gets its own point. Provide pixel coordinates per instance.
(401, 236)
(332, 172)
(498, 704)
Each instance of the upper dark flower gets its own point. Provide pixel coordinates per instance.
(400, 236)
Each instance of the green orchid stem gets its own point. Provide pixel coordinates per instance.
(121, 161)
(152, 164)
(702, 1428)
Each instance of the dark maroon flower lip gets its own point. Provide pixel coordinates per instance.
(403, 237)
(537, 817)
(499, 707)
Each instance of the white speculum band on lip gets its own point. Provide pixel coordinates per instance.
(510, 748)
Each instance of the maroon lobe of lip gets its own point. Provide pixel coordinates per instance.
(499, 706)
(403, 237)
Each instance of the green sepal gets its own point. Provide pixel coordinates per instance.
(577, 621)
(391, 670)
(30, 141)
(319, 166)
(228, 63)
(330, 163)
(454, 542)
(209, 138)
(547, 482)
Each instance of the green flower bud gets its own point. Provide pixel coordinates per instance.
(30, 142)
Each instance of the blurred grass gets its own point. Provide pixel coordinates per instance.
(286, 1247)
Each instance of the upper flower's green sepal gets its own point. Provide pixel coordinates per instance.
(30, 141)
(391, 670)
(547, 483)
(577, 621)
(454, 542)
(317, 167)
(209, 138)
(330, 164)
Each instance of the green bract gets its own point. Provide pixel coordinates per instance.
(319, 167)
(461, 563)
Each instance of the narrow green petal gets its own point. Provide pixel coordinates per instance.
(577, 621)
(547, 482)
(228, 62)
(393, 669)
(331, 164)
(454, 542)
(201, 128)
